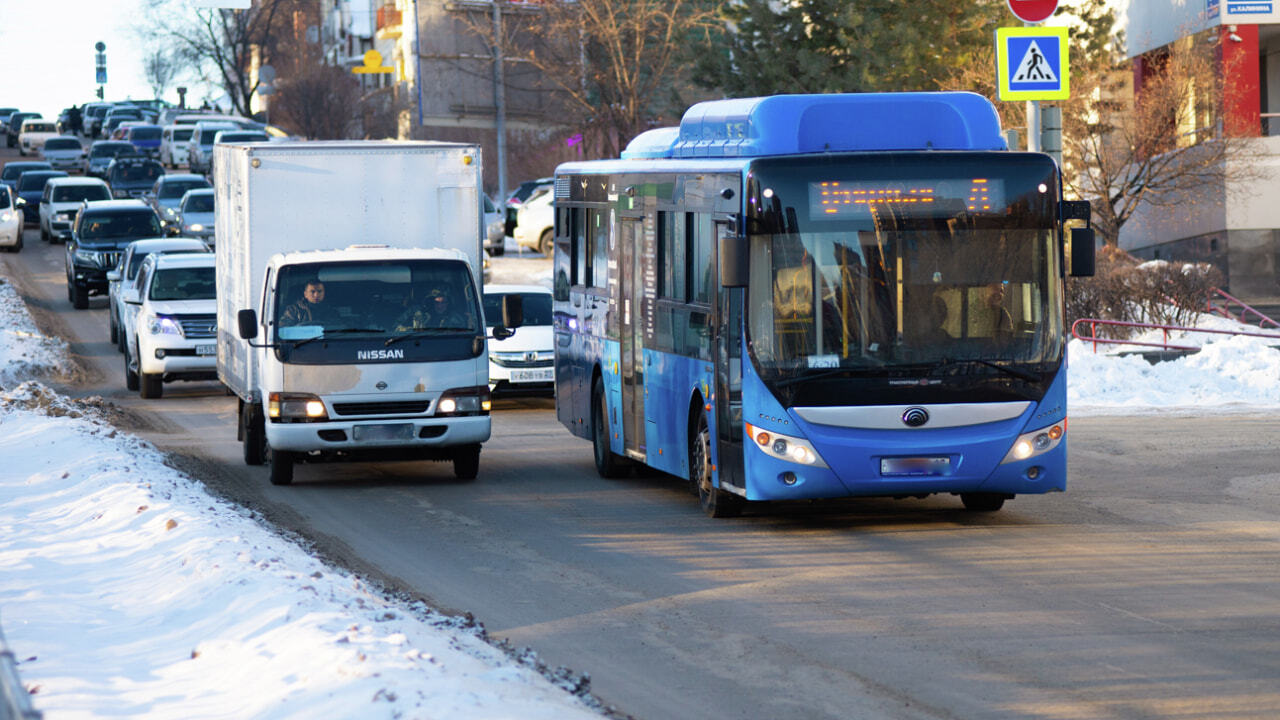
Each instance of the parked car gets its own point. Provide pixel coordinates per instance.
(99, 235)
(517, 197)
(495, 227)
(131, 176)
(30, 190)
(126, 271)
(13, 126)
(33, 134)
(61, 202)
(11, 221)
(5, 112)
(195, 215)
(9, 176)
(63, 152)
(165, 196)
(102, 152)
(523, 362)
(170, 322)
(535, 222)
(173, 144)
(200, 146)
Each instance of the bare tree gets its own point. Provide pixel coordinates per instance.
(222, 45)
(319, 103)
(616, 62)
(1163, 146)
(160, 71)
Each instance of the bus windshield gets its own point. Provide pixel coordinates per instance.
(911, 265)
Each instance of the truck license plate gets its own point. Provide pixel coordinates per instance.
(916, 466)
(383, 431)
(530, 376)
(206, 349)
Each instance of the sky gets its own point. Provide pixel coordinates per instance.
(49, 56)
(127, 590)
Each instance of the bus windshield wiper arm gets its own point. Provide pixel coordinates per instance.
(425, 331)
(335, 331)
(1020, 374)
(830, 372)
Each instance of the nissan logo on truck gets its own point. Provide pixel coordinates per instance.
(379, 354)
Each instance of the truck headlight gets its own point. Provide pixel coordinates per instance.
(296, 407)
(784, 447)
(464, 401)
(1036, 442)
(163, 325)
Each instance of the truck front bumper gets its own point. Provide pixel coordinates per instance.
(354, 436)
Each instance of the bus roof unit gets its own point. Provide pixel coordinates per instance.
(799, 124)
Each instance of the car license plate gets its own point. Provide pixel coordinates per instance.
(530, 376)
(206, 349)
(916, 466)
(383, 431)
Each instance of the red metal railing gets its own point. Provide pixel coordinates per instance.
(1225, 309)
(1093, 324)
(388, 16)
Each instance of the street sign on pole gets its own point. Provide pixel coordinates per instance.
(1032, 63)
(1033, 11)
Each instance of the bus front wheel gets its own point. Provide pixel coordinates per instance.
(608, 464)
(714, 501)
(982, 502)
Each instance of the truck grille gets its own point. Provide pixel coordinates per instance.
(404, 407)
(198, 327)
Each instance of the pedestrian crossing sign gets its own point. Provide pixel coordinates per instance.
(1031, 63)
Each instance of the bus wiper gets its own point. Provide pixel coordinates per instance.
(831, 372)
(1020, 374)
(335, 331)
(426, 331)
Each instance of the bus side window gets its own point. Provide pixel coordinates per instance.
(598, 242)
(671, 256)
(580, 250)
(701, 232)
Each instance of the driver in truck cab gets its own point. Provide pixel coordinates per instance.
(310, 308)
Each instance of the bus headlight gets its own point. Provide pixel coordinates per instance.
(784, 447)
(295, 407)
(1036, 442)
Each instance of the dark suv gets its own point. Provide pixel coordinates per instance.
(132, 176)
(101, 231)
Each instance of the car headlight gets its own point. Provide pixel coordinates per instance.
(171, 213)
(1036, 442)
(6, 216)
(296, 407)
(62, 216)
(86, 257)
(784, 447)
(464, 401)
(163, 325)
(195, 227)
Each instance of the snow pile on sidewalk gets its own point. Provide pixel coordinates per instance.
(127, 590)
(24, 352)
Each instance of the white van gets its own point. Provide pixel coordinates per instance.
(173, 144)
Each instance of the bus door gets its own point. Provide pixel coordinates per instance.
(631, 334)
(727, 358)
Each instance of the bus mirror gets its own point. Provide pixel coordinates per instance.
(512, 311)
(248, 321)
(1082, 252)
(734, 269)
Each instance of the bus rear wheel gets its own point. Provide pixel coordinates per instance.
(608, 464)
(714, 502)
(982, 502)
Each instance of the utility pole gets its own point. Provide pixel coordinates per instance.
(500, 104)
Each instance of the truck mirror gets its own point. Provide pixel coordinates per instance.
(1082, 252)
(734, 269)
(512, 311)
(248, 321)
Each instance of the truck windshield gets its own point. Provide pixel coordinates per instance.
(927, 268)
(386, 299)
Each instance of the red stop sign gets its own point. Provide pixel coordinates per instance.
(1033, 11)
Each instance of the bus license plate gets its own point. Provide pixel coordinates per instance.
(916, 466)
(384, 431)
(529, 376)
(206, 349)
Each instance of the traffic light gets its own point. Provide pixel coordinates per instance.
(99, 92)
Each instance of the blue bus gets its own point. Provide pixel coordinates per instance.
(820, 296)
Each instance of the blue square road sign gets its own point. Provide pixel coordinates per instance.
(1032, 63)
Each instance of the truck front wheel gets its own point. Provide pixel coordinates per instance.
(253, 433)
(281, 467)
(466, 462)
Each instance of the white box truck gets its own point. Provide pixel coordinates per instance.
(349, 281)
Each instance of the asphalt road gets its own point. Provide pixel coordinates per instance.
(1151, 589)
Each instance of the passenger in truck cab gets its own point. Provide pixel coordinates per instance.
(310, 308)
(436, 312)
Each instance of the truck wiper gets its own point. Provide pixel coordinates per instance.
(1020, 374)
(425, 331)
(335, 331)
